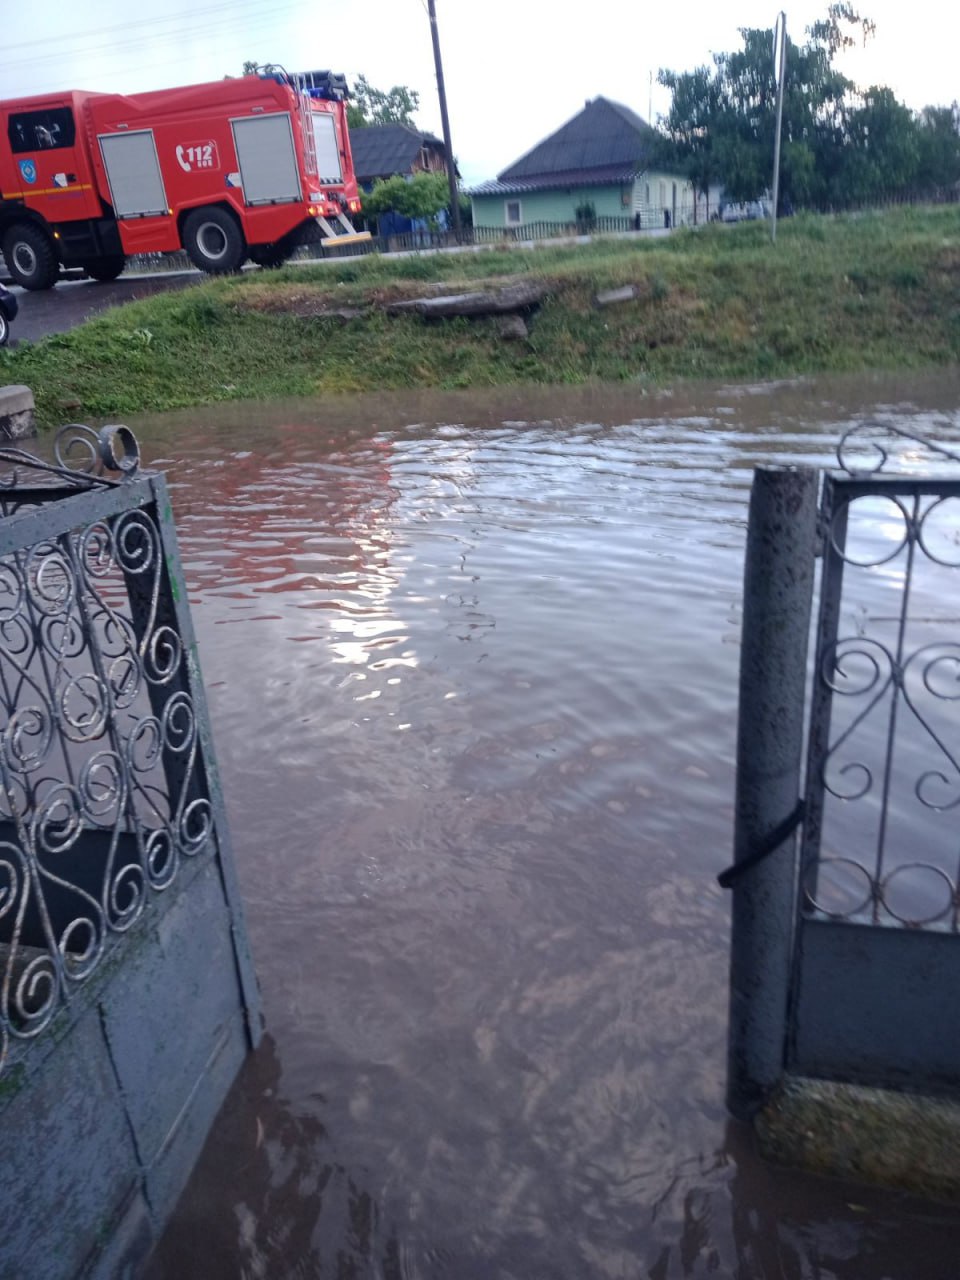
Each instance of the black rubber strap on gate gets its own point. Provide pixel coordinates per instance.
(727, 879)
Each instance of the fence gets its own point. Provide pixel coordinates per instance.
(888, 200)
(417, 241)
(127, 996)
(845, 959)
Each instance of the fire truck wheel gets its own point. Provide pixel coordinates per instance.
(105, 269)
(214, 241)
(30, 257)
(268, 255)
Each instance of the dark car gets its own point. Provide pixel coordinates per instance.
(8, 309)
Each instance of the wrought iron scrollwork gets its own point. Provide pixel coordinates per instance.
(883, 776)
(871, 435)
(83, 457)
(103, 792)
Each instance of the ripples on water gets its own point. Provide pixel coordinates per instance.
(472, 666)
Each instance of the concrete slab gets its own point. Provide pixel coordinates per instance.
(910, 1142)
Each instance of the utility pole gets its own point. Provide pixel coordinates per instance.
(445, 120)
(781, 79)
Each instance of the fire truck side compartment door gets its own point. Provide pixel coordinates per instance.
(328, 150)
(133, 171)
(267, 159)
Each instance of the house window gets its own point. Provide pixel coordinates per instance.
(514, 214)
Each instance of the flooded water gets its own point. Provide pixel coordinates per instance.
(472, 664)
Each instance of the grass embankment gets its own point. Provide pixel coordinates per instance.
(877, 291)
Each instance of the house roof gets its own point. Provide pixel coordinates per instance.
(380, 151)
(603, 137)
(604, 176)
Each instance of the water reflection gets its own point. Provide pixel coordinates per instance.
(309, 1209)
(476, 730)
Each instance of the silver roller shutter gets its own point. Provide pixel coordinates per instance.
(267, 159)
(328, 153)
(133, 171)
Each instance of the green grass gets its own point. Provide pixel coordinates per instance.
(854, 293)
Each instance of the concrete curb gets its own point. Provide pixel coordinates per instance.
(16, 413)
(910, 1142)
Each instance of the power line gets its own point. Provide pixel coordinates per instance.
(185, 15)
(252, 25)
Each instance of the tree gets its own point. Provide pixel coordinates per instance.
(938, 137)
(422, 196)
(370, 106)
(884, 140)
(692, 127)
(250, 68)
(839, 146)
(814, 99)
(833, 34)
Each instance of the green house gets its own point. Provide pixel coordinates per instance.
(595, 171)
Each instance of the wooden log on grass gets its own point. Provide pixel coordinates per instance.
(486, 302)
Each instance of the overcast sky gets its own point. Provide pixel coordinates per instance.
(515, 69)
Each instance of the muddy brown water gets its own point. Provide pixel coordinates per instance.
(472, 665)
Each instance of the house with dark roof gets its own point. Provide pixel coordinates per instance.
(383, 151)
(599, 165)
(389, 151)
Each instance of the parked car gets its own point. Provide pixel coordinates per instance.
(743, 211)
(8, 310)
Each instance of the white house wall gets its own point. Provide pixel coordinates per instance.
(657, 193)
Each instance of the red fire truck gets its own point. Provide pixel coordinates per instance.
(240, 168)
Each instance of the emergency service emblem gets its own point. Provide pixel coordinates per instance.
(198, 155)
(28, 170)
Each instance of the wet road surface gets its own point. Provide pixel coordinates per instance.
(71, 302)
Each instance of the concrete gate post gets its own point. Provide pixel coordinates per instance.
(777, 595)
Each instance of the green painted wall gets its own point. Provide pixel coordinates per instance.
(552, 206)
(651, 194)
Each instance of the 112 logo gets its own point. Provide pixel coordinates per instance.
(198, 155)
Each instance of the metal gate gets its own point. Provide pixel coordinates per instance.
(846, 949)
(128, 1000)
(109, 800)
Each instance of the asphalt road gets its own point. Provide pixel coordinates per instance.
(71, 302)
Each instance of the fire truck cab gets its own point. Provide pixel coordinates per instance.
(239, 168)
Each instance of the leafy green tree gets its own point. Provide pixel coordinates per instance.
(815, 94)
(834, 32)
(422, 196)
(939, 148)
(693, 126)
(838, 147)
(370, 106)
(883, 145)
